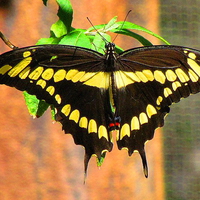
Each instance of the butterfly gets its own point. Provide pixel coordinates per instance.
(96, 95)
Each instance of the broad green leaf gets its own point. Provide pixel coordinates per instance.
(65, 13)
(76, 38)
(58, 29)
(35, 107)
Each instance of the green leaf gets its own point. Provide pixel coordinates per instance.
(76, 38)
(129, 25)
(99, 42)
(111, 24)
(101, 159)
(140, 38)
(50, 40)
(58, 29)
(35, 107)
(65, 13)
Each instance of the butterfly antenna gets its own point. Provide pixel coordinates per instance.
(104, 39)
(122, 24)
(7, 41)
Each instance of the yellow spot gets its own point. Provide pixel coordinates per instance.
(148, 73)
(48, 74)
(58, 98)
(87, 76)
(92, 126)
(183, 77)
(150, 110)
(135, 125)
(193, 76)
(171, 76)
(192, 55)
(66, 109)
(71, 73)
(26, 54)
(194, 66)
(141, 76)
(50, 90)
(102, 132)
(34, 75)
(19, 67)
(159, 76)
(125, 78)
(176, 85)
(83, 123)
(143, 118)
(59, 75)
(4, 69)
(42, 83)
(100, 80)
(159, 100)
(75, 114)
(78, 76)
(125, 130)
(24, 73)
(167, 92)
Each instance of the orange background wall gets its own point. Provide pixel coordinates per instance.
(37, 161)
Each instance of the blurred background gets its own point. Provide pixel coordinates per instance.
(39, 162)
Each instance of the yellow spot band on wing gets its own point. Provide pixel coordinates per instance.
(125, 131)
(194, 66)
(59, 75)
(102, 132)
(159, 100)
(75, 114)
(125, 78)
(141, 76)
(171, 76)
(150, 110)
(193, 76)
(35, 74)
(26, 54)
(143, 118)
(83, 123)
(19, 67)
(159, 76)
(176, 85)
(135, 125)
(183, 77)
(92, 126)
(66, 109)
(100, 80)
(4, 69)
(50, 90)
(25, 73)
(48, 74)
(58, 98)
(167, 92)
(41, 83)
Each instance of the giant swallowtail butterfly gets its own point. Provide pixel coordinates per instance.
(95, 94)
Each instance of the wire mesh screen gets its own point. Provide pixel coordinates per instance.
(180, 25)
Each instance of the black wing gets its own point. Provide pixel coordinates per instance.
(71, 79)
(149, 80)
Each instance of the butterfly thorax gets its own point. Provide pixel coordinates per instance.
(110, 57)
